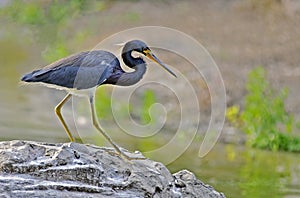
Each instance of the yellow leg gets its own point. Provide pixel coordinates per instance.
(58, 113)
(107, 137)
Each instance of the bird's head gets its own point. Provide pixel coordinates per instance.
(142, 48)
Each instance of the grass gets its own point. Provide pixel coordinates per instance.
(264, 118)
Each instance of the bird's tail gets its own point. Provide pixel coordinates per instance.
(27, 77)
(34, 76)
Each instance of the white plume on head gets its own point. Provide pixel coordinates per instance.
(120, 44)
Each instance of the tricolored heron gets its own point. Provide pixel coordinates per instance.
(81, 73)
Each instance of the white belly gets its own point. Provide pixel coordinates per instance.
(81, 92)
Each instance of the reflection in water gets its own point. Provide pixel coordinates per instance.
(261, 176)
(242, 172)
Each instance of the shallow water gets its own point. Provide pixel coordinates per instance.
(242, 172)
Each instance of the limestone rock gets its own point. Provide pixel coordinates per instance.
(32, 169)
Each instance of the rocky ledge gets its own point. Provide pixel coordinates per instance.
(33, 169)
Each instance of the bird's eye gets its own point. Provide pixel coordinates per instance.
(146, 50)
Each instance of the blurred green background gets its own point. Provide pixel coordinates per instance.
(255, 43)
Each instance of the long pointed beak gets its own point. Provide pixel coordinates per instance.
(152, 57)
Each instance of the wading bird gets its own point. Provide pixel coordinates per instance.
(80, 74)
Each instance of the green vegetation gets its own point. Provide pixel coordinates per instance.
(27, 13)
(147, 101)
(264, 118)
(55, 51)
(103, 103)
(49, 21)
(132, 16)
(39, 13)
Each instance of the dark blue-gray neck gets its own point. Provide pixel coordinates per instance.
(138, 64)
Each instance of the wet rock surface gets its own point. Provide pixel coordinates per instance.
(32, 169)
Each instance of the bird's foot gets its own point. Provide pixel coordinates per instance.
(127, 157)
(132, 158)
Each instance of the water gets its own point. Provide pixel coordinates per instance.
(242, 172)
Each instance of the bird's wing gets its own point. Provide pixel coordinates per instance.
(80, 71)
(69, 60)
